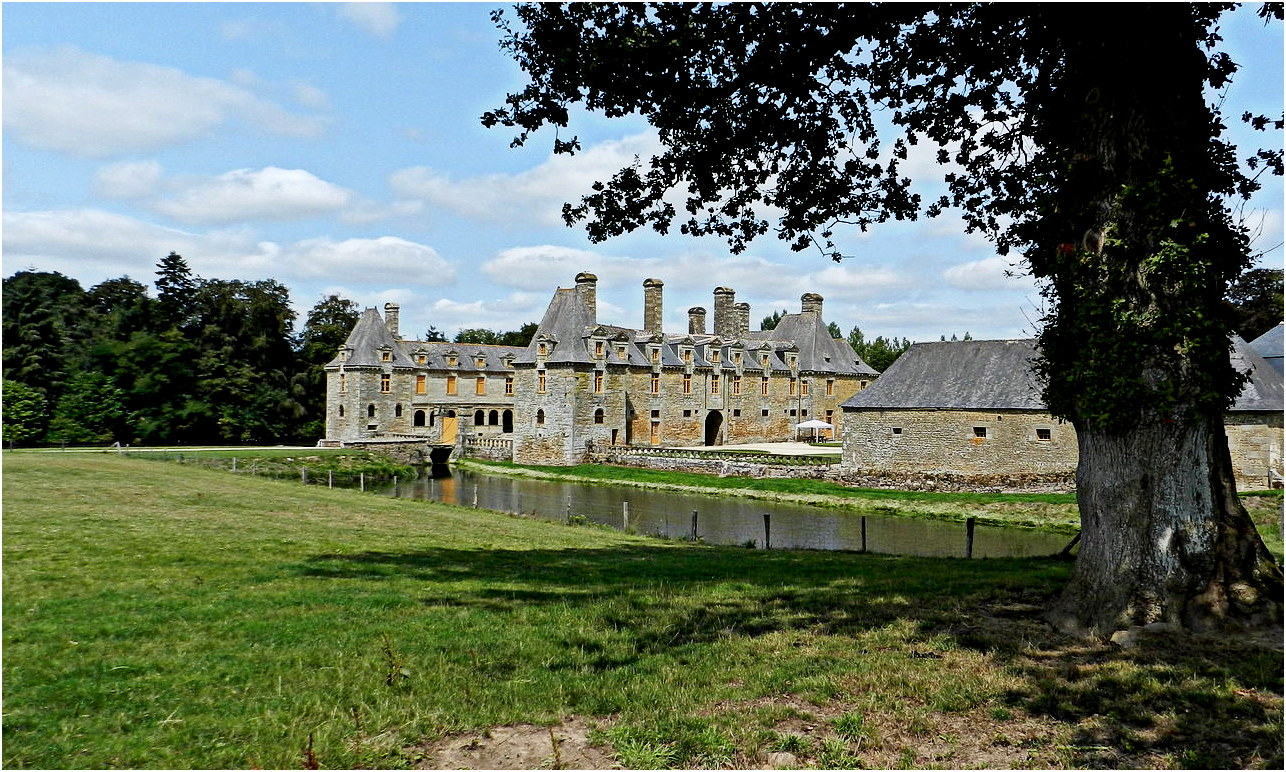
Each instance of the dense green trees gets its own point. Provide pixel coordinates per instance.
(205, 361)
(1060, 133)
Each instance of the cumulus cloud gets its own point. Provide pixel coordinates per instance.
(128, 179)
(253, 194)
(533, 196)
(541, 267)
(378, 19)
(93, 244)
(989, 273)
(383, 259)
(88, 105)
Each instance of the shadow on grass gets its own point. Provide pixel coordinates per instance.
(1175, 702)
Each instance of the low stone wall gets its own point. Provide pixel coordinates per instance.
(957, 483)
(490, 448)
(403, 451)
(805, 467)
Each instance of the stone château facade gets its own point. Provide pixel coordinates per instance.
(581, 383)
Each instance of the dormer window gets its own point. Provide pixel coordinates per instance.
(714, 355)
(422, 359)
(452, 360)
(598, 349)
(542, 349)
(386, 356)
(656, 355)
(687, 355)
(482, 362)
(620, 352)
(763, 360)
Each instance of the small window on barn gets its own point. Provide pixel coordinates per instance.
(1044, 434)
(763, 413)
(897, 431)
(980, 432)
(598, 416)
(397, 411)
(370, 411)
(736, 413)
(540, 417)
(656, 413)
(341, 411)
(687, 413)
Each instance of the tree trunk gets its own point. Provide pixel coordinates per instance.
(1164, 536)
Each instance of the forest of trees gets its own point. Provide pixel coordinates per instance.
(204, 361)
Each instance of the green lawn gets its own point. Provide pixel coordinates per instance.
(166, 616)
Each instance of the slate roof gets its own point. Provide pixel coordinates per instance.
(370, 335)
(997, 375)
(568, 325)
(1264, 389)
(957, 375)
(1269, 346)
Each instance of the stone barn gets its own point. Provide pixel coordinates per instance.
(973, 409)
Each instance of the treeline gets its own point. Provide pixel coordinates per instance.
(205, 361)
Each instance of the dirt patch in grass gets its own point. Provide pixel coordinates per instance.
(524, 746)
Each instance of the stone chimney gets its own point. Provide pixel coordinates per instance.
(811, 303)
(390, 318)
(696, 321)
(652, 319)
(743, 318)
(725, 320)
(587, 291)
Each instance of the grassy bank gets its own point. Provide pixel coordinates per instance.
(162, 616)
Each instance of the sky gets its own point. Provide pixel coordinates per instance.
(337, 148)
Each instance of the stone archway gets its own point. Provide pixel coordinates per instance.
(714, 428)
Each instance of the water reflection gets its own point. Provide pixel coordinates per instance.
(724, 519)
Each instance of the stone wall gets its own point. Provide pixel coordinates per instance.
(1255, 441)
(958, 442)
(1018, 445)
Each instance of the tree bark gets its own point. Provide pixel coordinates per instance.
(1164, 536)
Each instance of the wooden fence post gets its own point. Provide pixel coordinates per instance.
(969, 525)
(694, 525)
(864, 533)
(767, 531)
(625, 515)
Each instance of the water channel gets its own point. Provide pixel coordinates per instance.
(724, 519)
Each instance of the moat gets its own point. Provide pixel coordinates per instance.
(724, 519)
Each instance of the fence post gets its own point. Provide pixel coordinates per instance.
(395, 491)
(625, 515)
(362, 478)
(864, 533)
(969, 524)
(330, 478)
(234, 464)
(767, 531)
(569, 508)
(475, 496)
(694, 525)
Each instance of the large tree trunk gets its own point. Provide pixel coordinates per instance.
(1164, 536)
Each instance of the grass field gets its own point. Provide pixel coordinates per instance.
(165, 616)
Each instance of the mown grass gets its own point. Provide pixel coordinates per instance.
(162, 616)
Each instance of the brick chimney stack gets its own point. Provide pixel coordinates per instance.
(587, 291)
(696, 321)
(743, 318)
(725, 319)
(811, 303)
(652, 318)
(390, 318)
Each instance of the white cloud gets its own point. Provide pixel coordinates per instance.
(383, 259)
(253, 194)
(378, 19)
(989, 273)
(541, 268)
(310, 96)
(128, 179)
(88, 105)
(93, 245)
(533, 196)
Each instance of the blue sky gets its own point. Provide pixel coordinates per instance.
(336, 148)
